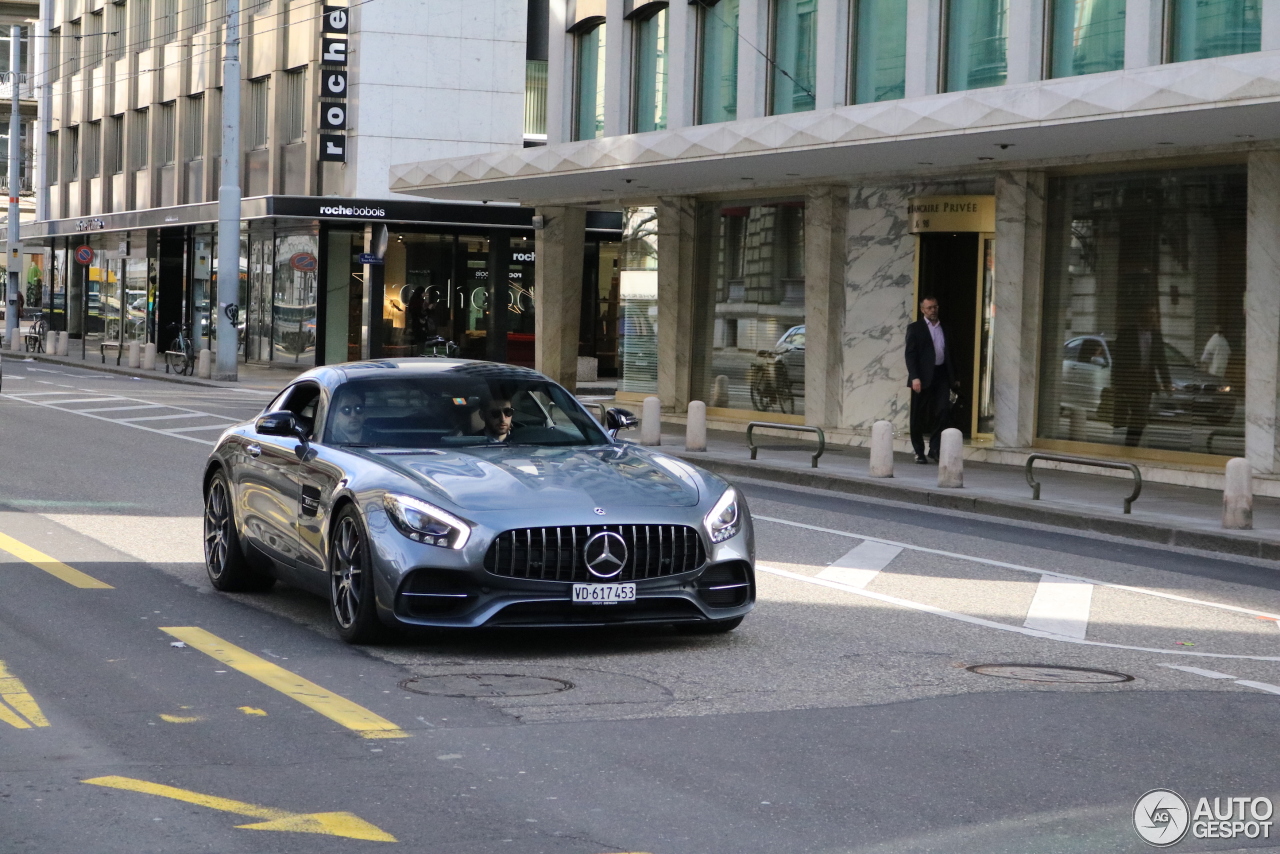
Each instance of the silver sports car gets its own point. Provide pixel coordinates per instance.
(434, 492)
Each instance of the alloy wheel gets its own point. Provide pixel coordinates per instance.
(347, 576)
(217, 524)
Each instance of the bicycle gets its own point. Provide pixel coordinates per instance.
(432, 347)
(770, 383)
(181, 355)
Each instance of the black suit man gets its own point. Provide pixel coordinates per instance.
(930, 376)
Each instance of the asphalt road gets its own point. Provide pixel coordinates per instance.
(843, 716)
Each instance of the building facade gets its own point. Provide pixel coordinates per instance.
(1091, 190)
(333, 265)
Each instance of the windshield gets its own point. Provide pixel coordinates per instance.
(452, 409)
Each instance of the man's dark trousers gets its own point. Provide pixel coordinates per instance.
(930, 410)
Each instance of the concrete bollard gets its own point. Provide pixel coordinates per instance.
(149, 357)
(720, 392)
(16, 344)
(1237, 496)
(51, 343)
(204, 364)
(135, 355)
(882, 449)
(651, 422)
(64, 343)
(695, 436)
(951, 459)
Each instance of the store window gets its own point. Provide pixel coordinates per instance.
(651, 73)
(794, 60)
(880, 51)
(637, 340)
(1143, 342)
(976, 50)
(750, 352)
(717, 61)
(203, 297)
(92, 149)
(293, 309)
(256, 131)
(589, 112)
(1201, 29)
(1087, 37)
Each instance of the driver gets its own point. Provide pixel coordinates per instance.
(497, 415)
(348, 418)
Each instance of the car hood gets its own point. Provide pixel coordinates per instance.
(507, 478)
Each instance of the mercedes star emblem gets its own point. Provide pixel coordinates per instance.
(599, 511)
(605, 554)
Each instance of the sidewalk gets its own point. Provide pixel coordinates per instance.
(1166, 514)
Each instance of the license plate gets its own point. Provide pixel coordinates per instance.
(603, 594)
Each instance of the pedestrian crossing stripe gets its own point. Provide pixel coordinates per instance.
(19, 702)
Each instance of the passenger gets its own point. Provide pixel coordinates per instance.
(348, 418)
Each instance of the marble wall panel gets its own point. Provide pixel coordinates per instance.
(1262, 311)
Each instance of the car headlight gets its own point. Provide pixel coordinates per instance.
(426, 523)
(724, 521)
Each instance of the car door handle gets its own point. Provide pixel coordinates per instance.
(254, 450)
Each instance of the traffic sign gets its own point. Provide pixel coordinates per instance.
(303, 262)
(369, 258)
(84, 254)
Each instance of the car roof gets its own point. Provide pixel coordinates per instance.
(372, 369)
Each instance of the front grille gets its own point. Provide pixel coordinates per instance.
(555, 554)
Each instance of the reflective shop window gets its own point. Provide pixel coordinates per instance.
(717, 61)
(750, 352)
(880, 51)
(203, 298)
(1088, 37)
(589, 111)
(795, 44)
(638, 302)
(1143, 343)
(977, 32)
(293, 309)
(1201, 29)
(651, 73)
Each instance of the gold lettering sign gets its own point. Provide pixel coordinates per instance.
(952, 213)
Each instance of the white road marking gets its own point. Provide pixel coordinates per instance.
(88, 400)
(1261, 686)
(180, 414)
(1141, 590)
(1061, 606)
(121, 408)
(991, 624)
(861, 564)
(50, 405)
(1199, 671)
(23, 394)
(194, 429)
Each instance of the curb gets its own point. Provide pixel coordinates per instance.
(1149, 532)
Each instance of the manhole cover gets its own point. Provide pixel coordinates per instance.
(485, 685)
(1050, 673)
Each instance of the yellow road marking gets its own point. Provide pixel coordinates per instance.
(250, 710)
(343, 824)
(338, 709)
(16, 695)
(179, 719)
(56, 568)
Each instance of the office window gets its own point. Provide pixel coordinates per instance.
(73, 153)
(141, 24)
(976, 34)
(55, 53)
(589, 117)
(93, 149)
(73, 47)
(650, 97)
(718, 61)
(166, 136)
(51, 156)
(116, 24)
(293, 105)
(197, 15)
(880, 50)
(193, 129)
(114, 152)
(650, 73)
(139, 150)
(1204, 28)
(255, 126)
(92, 41)
(795, 43)
(24, 52)
(167, 21)
(1087, 37)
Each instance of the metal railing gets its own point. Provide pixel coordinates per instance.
(1085, 461)
(822, 437)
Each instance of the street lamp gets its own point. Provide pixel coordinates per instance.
(229, 204)
(15, 80)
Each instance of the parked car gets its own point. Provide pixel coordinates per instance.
(1196, 395)
(381, 486)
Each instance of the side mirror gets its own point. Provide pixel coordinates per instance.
(282, 423)
(619, 419)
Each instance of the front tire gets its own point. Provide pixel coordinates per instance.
(351, 589)
(224, 560)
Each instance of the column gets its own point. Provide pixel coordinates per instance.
(682, 72)
(558, 293)
(1143, 33)
(1019, 270)
(832, 66)
(1271, 24)
(677, 240)
(499, 264)
(617, 70)
(924, 40)
(825, 226)
(753, 69)
(1262, 311)
(1025, 47)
